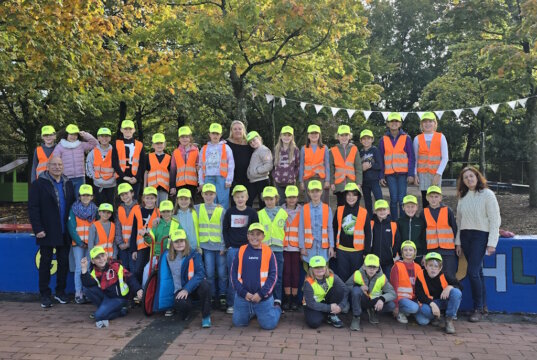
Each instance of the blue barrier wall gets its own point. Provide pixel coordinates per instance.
(510, 274)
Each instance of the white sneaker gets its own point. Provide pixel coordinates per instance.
(401, 318)
(101, 323)
(229, 310)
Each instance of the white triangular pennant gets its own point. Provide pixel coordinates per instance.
(350, 112)
(420, 113)
(476, 109)
(522, 102)
(457, 112)
(494, 107)
(439, 113)
(269, 98)
(512, 104)
(283, 101)
(318, 108)
(403, 115)
(334, 111)
(303, 105)
(385, 114)
(253, 95)
(367, 114)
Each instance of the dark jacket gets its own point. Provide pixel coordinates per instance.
(113, 291)
(251, 265)
(435, 287)
(381, 245)
(413, 229)
(44, 210)
(345, 239)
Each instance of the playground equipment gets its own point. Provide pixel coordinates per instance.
(13, 191)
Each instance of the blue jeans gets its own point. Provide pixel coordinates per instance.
(451, 305)
(368, 187)
(214, 262)
(267, 314)
(407, 306)
(397, 188)
(79, 253)
(77, 182)
(107, 308)
(278, 287)
(222, 192)
(230, 256)
(358, 298)
(474, 246)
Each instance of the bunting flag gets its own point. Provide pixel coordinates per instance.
(367, 114)
(254, 94)
(476, 109)
(350, 112)
(522, 102)
(420, 114)
(318, 107)
(334, 111)
(439, 114)
(512, 104)
(458, 112)
(385, 114)
(269, 98)
(303, 106)
(494, 107)
(403, 115)
(283, 101)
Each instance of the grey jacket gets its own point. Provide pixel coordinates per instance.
(90, 170)
(321, 306)
(357, 166)
(388, 293)
(260, 164)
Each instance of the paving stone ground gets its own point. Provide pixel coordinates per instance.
(66, 332)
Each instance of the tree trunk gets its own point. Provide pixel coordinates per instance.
(482, 161)
(237, 83)
(469, 141)
(139, 128)
(122, 116)
(531, 113)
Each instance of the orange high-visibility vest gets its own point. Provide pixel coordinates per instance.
(106, 241)
(186, 173)
(191, 269)
(159, 175)
(395, 158)
(405, 289)
(439, 233)
(344, 167)
(425, 287)
(82, 229)
(266, 253)
(308, 232)
(393, 225)
(359, 235)
(314, 163)
(291, 231)
(102, 168)
(429, 157)
(122, 157)
(140, 243)
(42, 161)
(126, 222)
(223, 161)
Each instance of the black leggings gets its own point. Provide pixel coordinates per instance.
(202, 293)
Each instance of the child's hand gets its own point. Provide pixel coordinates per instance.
(84, 265)
(331, 252)
(417, 181)
(327, 185)
(302, 186)
(382, 182)
(303, 252)
(458, 250)
(364, 288)
(228, 185)
(134, 256)
(173, 191)
(183, 294)
(436, 179)
(40, 235)
(335, 309)
(140, 294)
(256, 298)
(333, 187)
(123, 246)
(410, 179)
(435, 309)
(445, 292)
(379, 305)
(366, 166)
(222, 252)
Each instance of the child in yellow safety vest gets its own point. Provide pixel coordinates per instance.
(128, 223)
(345, 164)
(370, 290)
(291, 252)
(273, 218)
(184, 164)
(210, 219)
(81, 217)
(157, 173)
(186, 215)
(386, 239)
(315, 163)
(99, 168)
(441, 228)
(150, 215)
(43, 152)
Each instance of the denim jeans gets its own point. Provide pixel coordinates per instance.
(230, 256)
(79, 253)
(451, 305)
(222, 192)
(214, 262)
(358, 295)
(107, 308)
(267, 314)
(474, 246)
(397, 188)
(77, 182)
(368, 187)
(278, 287)
(407, 306)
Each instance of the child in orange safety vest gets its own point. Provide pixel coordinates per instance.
(184, 164)
(128, 223)
(102, 232)
(315, 163)
(291, 252)
(157, 173)
(99, 168)
(81, 217)
(128, 158)
(43, 152)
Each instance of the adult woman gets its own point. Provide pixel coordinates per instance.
(478, 223)
(242, 153)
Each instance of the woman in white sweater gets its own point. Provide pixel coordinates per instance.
(478, 223)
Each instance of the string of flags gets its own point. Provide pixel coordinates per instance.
(367, 113)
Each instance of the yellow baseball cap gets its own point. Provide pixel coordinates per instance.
(433, 256)
(343, 129)
(208, 187)
(96, 251)
(256, 226)
(158, 138)
(47, 130)
(166, 205)
(315, 185)
(238, 188)
(408, 243)
(106, 207)
(104, 132)
(123, 188)
(270, 191)
(85, 189)
(429, 115)
(352, 187)
(372, 260)
(381, 204)
(184, 131)
(177, 234)
(287, 129)
(150, 190)
(72, 129)
(410, 199)
(252, 135)
(184, 193)
(215, 128)
(366, 132)
(434, 189)
(394, 116)
(314, 128)
(317, 261)
(127, 124)
(291, 190)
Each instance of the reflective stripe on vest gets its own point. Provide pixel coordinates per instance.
(140, 242)
(274, 229)
(425, 287)
(344, 168)
(159, 174)
(82, 229)
(223, 161)
(308, 230)
(358, 234)
(186, 173)
(210, 229)
(314, 162)
(319, 294)
(102, 168)
(395, 158)
(126, 222)
(429, 158)
(42, 161)
(439, 233)
(266, 253)
(122, 157)
(291, 231)
(106, 241)
(191, 269)
(123, 287)
(405, 288)
(393, 226)
(377, 288)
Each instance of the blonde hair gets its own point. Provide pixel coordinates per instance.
(171, 252)
(279, 147)
(177, 207)
(327, 273)
(435, 125)
(233, 123)
(319, 143)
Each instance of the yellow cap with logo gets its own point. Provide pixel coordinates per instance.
(215, 128)
(256, 226)
(434, 189)
(252, 135)
(428, 115)
(104, 132)
(381, 204)
(287, 130)
(127, 124)
(123, 188)
(85, 189)
(184, 193)
(314, 128)
(366, 132)
(372, 260)
(166, 205)
(158, 138)
(408, 243)
(150, 190)
(177, 234)
(238, 188)
(343, 129)
(352, 187)
(184, 131)
(433, 256)
(72, 129)
(96, 251)
(270, 191)
(47, 130)
(317, 261)
(208, 187)
(315, 185)
(410, 199)
(394, 116)
(291, 190)
(106, 207)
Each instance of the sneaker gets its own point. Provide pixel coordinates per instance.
(100, 324)
(80, 300)
(286, 305)
(206, 322)
(355, 324)
(92, 316)
(169, 313)
(401, 318)
(334, 320)
(46, 302)
(229, 310)
(450, 328)
(124, 311)
(61, 298)
(223, 303)
(294, 306)
(438, 322)
(475, 317)
(373, 318)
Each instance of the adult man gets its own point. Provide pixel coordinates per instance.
(51, 197)
(254, 274)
